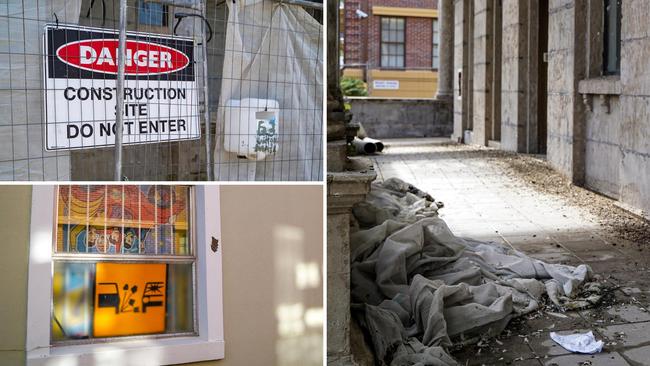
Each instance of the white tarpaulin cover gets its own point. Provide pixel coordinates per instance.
(273, 51)
(418, 289)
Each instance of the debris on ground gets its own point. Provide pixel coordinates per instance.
(419, 291)
(622, 226)
(537, 172)
(578, 342)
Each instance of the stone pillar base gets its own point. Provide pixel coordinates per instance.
(340, 361)
(344, 190)
(445, 97)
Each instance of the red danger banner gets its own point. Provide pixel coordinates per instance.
(142, 58)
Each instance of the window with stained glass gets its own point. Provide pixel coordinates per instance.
(123, 261)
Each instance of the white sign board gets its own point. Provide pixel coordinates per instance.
(385, 84)
(160, 89)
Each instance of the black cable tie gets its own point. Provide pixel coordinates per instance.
(92, 3)
(90, 8)
(57, 19)
(181, 16)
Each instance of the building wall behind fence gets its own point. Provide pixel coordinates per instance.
(268, 233)
(14, 230)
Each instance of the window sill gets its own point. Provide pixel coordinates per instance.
(606, 85)
(141, 352)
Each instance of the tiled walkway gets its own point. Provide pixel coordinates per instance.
(484, 203)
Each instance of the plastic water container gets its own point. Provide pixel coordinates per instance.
(250, 131)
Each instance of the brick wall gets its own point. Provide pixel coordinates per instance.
(354, 27)
(418, 33)
(419, 38)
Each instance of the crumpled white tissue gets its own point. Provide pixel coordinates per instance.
(578, 343)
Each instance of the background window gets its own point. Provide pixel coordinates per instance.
(123, 262)
(435, 50)
(612, 39)
(392, 42)
(150, 13)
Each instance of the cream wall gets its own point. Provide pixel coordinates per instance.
(268, 232)
(14, 231)
(264, 230)
(418, 84)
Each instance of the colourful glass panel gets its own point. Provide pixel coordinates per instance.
(115, 219)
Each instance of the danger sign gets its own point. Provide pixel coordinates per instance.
(160, 90)
(130, 299)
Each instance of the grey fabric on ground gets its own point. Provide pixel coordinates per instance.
(417, 289)
(394, 199)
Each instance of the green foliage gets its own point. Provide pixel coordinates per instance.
(353, 87)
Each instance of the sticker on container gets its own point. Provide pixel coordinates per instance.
(266, 136)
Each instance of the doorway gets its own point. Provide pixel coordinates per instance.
(497, 39)
(542, 77)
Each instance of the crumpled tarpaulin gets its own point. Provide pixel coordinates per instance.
(417, 289)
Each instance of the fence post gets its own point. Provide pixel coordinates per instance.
(208, 137)
(119, 108)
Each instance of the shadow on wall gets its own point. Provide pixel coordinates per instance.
(299, 320)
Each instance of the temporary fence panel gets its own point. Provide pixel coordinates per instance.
(167, 155)
(22, 153)
(269, 117)
(58, 78)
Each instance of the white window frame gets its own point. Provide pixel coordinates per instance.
(435, 25)
(207, 345)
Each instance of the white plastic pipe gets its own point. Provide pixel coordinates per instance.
(378, 143)
(364, 146)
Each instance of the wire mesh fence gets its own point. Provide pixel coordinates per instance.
(210, 89)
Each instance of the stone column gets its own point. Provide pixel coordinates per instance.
(446, 69)
(332, 45)
(344, 189)
(348, 182)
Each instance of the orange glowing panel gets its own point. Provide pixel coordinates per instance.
(130, 299)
